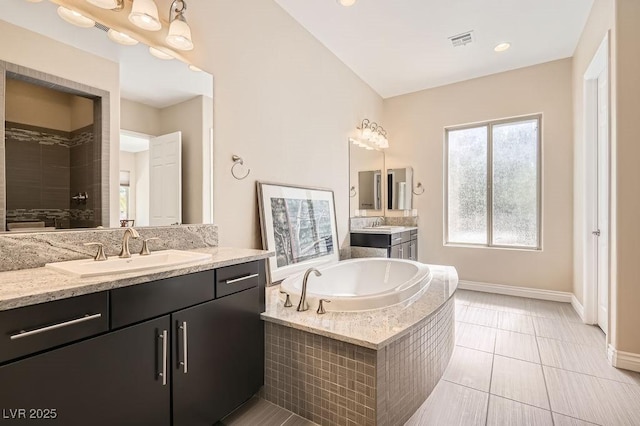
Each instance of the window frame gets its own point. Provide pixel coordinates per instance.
(489, 198)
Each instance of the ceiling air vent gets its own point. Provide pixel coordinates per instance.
(462, 39)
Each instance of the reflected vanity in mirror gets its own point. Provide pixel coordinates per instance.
(62, 167)
(400, 189)
(365, 180)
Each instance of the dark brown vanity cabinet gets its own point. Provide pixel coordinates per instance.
(399, 245)
(174, 355)
(113, 379)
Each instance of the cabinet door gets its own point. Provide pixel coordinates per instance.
(406, 250)
(218, 353)
(395, 252)
(413, 250)
(109, 380)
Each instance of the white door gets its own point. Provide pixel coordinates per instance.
(602, 199)
(165, 179)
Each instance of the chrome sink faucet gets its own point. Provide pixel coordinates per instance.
(303, 305)
(128, 233)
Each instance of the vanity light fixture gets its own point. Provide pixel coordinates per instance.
(160, 54)
(75, 18)
(179, 35)
(34, 1)
(108, 4)
(144, 14)
(121, 38)
(372, 136)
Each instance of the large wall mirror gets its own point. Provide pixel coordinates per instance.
(61, 165)
(366, 181)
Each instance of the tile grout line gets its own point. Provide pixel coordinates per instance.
(493, 361)
(544, 378)
(287, 419)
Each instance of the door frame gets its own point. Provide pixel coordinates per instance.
(599, 63)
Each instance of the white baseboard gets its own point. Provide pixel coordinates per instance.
(577, 306)
(624, 360)
(532, 293)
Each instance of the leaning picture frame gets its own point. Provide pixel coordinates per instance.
(298, 223)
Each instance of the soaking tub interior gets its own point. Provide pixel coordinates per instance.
(361, 284)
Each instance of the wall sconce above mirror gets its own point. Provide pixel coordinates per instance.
(135, 21)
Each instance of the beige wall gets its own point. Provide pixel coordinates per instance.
(81, 112)
(284, 103)
(140, 118)
(625, 286)
(188, 118)
(37, 106)
(416, 124)
(46, 55)
(599, 23)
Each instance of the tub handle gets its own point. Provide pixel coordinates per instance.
(321, 309)
(287, 302)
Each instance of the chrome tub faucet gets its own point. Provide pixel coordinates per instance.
(303, 305)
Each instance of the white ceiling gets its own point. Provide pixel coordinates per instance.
(133, 143)
(143, 78)
(402, 46)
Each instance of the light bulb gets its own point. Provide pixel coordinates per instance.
(160, 54)
(105, 4)
(347, 3)
(144, 14)
(180, 35)
(75, 18)
(121, 38)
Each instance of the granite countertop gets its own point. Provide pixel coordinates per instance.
(373, 329)
(385, 231)
(37, 285)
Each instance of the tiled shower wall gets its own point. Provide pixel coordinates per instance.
(331, 382)
(45, 167)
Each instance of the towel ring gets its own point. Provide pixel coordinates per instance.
(237, 160)
(352, 192)
(418, 186)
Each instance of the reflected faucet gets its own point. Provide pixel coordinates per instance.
(128, 233)
(303, 305)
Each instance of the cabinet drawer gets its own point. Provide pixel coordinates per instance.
(400, 237)
(232, 279)
(143, 301)
(31, 329)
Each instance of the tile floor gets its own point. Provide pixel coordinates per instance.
(528, 362)
(517, 362)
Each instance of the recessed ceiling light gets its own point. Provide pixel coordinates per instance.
(75, 18)
(160, 54)
(502, 47)
(121, 38)
(347, 3)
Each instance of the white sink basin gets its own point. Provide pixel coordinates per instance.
(115, 265)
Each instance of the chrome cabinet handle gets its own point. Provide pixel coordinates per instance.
(248, 277)
(163, 374)
(397, 239)
(24, 333)
(185, 344)
(596, 233)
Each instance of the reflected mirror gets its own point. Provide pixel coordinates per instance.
(370, 190)
(399, 189)
(55, 176)
(366, 181)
